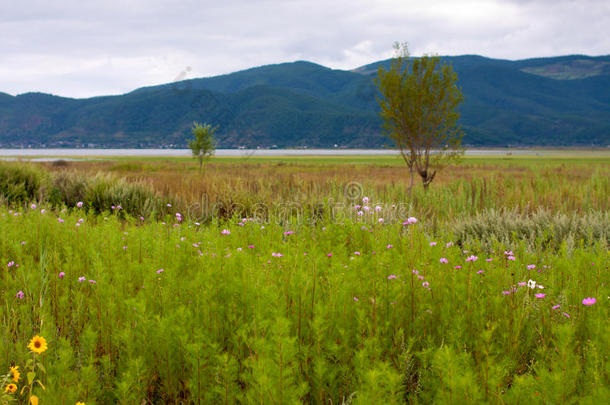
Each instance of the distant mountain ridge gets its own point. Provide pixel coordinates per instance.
(561, 101)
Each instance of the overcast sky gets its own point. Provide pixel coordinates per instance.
(83, 48)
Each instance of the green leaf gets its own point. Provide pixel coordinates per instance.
(31, 376)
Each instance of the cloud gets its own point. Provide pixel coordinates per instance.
(82, 49)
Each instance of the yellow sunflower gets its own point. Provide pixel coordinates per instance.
(16, 374)
(80, 403)
(38, 344)
(11, 388)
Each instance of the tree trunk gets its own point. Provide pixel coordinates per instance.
(410, 180)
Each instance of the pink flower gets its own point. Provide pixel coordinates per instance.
(33, 206)
(61, 221)
(225, 232)
(251, 246)
(589, 301)
(19, 295)
(566, 315)
(160, 271)
(425, 284)
(471, 258)
(432, 243)
(276, 254)
(531, 266)
(458, 267)
(540, 295)
(488, 260)
(506, 292)
(357, 253)
(389, 246)
(444, 260)
(365, 200)
(511, 258)
(378, 208)
(92, 281)
(79, 204)
(356, 299)
(330, 255)
(391, 276)
(10, 264)
(415, 272)
(449, 244)
(380, 220)
(288, 232)
(363, 228)
(555, 306)
(480, 272)
(81, 279)
(61, 274)
(420, 277)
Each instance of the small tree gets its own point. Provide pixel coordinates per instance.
(419, 109)
(203, 144)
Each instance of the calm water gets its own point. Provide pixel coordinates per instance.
(75, 154)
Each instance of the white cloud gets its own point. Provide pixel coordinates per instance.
(86, 48)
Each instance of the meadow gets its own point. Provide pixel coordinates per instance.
(305, 280)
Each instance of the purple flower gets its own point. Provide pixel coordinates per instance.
(480, 272)
(389, 246)
(33, 206)
(432, 243)
(488, 260)
(19, 295)
(391, 276)
(531, 266)
(330, 255)
(276, 254)
(444, 260)
(356, 299)
(566, 314)
(415, 272)
(357, 253)
(458, 267)
(225, 232)
(81, 279)
(61, 221)
(506, 292)
(92, 281)
(288, 232)
(511, 258)
(79, 204)
(160, 271)
(449, 244)
(555, 306)
(61, 274)
(471, 258)
(540, 295)
(589, 301)
(425, 284)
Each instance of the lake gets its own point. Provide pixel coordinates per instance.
(76, 154)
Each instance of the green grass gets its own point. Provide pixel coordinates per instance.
(344, 310)
(224, 322)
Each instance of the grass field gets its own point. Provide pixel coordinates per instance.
(262, 281)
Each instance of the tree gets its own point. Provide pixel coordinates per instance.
(203, 144)
(419, 109)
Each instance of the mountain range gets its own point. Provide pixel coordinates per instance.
(558, 101)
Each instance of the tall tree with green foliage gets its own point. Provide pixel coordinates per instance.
(203, 145)
(419, 109)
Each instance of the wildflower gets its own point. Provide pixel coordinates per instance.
(92, 281)
(77, 224)
(448, 244)
(22, 243)
(43, 211)
(432, 243)
(365, 200)
(512, 258)
(225, 232)
(81, 279)
(357, 207)
(566, 315)
(10, 264)
(79, 204)
(276, 254)
(330, 255)
(288, 232)
(33, 400)
(425, 284)
(366, 208)
(15, 372)
(357, 253)
(390, 246)
(61, 221)
(555, 306)
(378, 208)
(506, 292)
(38, 344)
(360, 213)
(11, 388)
(160, 271)
(380, 220)
(415, 272)
(169, 205)
(392, 276)
(531, 284)
(19, 295)
(540, 295)
(363, 228)
(444, 260)
(420, 277)
(480, 272)
(458, 267)
(33, 206)
(521, 284)
(356, 299)
(488, 260)
(471, 258)
(113, 207)
(531, 266)
(251, 246)
(589, 301)
(80, 403)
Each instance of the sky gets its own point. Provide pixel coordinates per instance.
(85, 48)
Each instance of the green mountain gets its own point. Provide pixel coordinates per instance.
(534, 102)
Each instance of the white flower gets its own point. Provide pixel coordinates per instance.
(531, 284)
